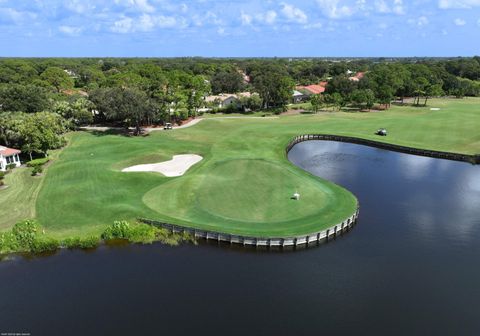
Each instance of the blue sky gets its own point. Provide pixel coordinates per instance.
(157, 28)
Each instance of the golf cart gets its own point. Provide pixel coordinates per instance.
(167, 126)
(381, 132)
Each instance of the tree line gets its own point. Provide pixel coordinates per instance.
(41, 99)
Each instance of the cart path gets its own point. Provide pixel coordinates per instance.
(152, 129)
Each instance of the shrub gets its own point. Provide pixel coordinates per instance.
(11, 166)
(37, 162)
(118, 230)
(44, 244)
(25, 233)
(143, 233)
(8, 242)
(37, 170)
(83, 243)
(89, 242)
(71, 243)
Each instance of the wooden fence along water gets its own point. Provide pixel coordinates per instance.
(314, 237)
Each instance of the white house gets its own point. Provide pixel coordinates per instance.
(226, 99)
(9, 156)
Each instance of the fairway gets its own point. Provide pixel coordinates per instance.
(243, 184)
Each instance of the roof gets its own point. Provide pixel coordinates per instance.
(224, 96)
(297, 93)
(5, 151)
(70, 92)
(357, 77)
(312, 89)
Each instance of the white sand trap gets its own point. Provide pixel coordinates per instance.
(435, 109)
(175, 167)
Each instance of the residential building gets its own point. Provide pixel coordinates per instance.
(9, 156)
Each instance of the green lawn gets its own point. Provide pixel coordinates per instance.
(242, 185)
(17, 201)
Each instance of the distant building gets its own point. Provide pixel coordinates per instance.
(9, 156)
(73, 92)
(246, 78)
(71, 73)
(226, 99)
(357, 77)
(312, 89)
(299, 97)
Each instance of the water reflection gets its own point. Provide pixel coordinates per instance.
(431, 197)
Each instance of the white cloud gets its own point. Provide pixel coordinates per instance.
(70, 30)
(316, 25)
(447, 4)
(246, 19)
(268, 17)
(141, 5)
(420, 22)
(333, 10)
(79, 6)
(382, 6)
(459, 22)
(294, 14)
(15, 16)
(124, 25)
(145, 23)
(221, 31)
(398, 7)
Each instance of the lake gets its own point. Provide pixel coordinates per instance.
(409, 267)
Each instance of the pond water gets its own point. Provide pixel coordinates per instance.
(409, 267)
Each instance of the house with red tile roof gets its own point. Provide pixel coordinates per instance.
(9, 156)
(312, 89)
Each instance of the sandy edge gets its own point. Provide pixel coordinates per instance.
(172, 168)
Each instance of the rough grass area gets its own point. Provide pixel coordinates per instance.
(242, 185)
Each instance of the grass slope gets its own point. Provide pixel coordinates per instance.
(244, 182)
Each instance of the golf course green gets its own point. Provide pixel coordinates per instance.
(243, 185)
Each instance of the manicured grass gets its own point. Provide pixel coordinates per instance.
(251, 197)
(243, 184)
(17, 201)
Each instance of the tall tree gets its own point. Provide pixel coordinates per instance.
(23, 98)
(227, 82)
(41, 132)
(317, 102)
(275, 87)
(123, 104)
(58, 78)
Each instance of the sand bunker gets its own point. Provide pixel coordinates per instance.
(175, 167)
(434, 109)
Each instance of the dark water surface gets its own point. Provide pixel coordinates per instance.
(409, 267)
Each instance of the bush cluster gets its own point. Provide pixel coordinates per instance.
(142, 233)
(37, 165)
(83, 243)
(25, 237)
(37, 162)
